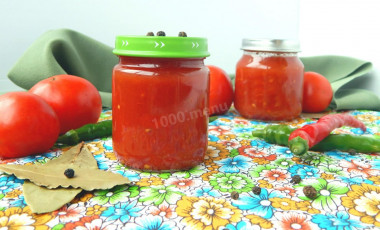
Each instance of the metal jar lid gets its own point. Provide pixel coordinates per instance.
(274, 45)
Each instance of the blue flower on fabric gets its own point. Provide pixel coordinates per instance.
(355, 180)
(283, 151)
(242, 225)
(108, 145)
(341, 155)
(122, 211)
(260, 144)
(304, 171)
(102, 161)
(235, 164)
(151, 223)
(206, 191)
(213, 138)
(360, 132)
(242, 130)
(131, 175)
(258, 204)
(9, 183)
(19, 202)
(376, 164)
(340, 221)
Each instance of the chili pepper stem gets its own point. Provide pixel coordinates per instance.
(298, 146)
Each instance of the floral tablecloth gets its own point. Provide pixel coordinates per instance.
(348, 187)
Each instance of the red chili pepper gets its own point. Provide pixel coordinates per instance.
(300, 140)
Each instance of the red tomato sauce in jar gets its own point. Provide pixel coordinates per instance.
(268, 85)
(160, 118)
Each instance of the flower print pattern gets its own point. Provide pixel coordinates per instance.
(123, 211)
(207, 191)
(359, 168)
(258, 204)
(151, 223)
(337, 221)
(328, 193)
(235, 164)
(228, 182)
(364, 201)
(206, 212)
(304, 171)
(200, 198)
(70, 213)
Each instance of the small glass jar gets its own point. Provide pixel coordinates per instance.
(159, 102)
(269, 80)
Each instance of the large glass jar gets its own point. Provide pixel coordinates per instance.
(269, 80)
(159, 102)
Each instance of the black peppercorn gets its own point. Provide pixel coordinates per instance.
(69, 173)
(234, 195)
(310, 192)
(256, 190)
(150, 34)
(182, 34)
(296, 179)
(161, 33)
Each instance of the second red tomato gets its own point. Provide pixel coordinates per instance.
(221, 91)
(74, 99)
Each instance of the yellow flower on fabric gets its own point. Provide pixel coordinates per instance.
(227, 137)
(245, 142)
(306, 206)
(111, 156)
(206, 212)
(283, 203)
(95, 210)
(96, 147)
(144, 182)
(258, 220)
(206, 176)
(13, 194)
(375, 179)
(19, 218)
(216, 151)
(327, 176)
(264, 184)
(83, 198)
(364, 201)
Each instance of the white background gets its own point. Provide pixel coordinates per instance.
(339, 27)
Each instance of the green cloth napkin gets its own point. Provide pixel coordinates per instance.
(64, 51)
(340, 70)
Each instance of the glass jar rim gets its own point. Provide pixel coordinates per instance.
(274, 45)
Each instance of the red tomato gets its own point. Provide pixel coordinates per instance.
(28, 125)
(221, 91)
(317, 93)
(74, 99)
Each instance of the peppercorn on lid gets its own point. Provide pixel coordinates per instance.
(275, 45)
(161, 46)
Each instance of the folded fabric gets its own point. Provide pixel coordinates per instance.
(340, 70)
(64, 51)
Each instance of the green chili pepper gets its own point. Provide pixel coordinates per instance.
(87, 132)
(92, 131)
(279, 134)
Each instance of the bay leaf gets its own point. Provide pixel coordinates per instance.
(53, 199)
(42, 200)
(51, 175)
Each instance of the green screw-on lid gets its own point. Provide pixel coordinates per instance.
(160, 46)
